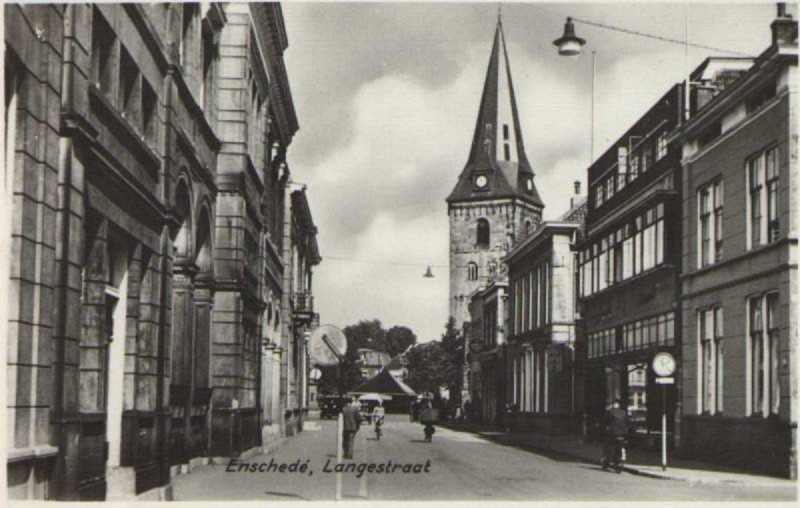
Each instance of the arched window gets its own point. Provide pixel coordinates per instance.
(472, 271)
(528, 227)
(492, 269)
(482, 233)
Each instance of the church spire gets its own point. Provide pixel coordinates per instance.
(497, 152)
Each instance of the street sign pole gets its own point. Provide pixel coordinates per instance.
(664, 427)
(339, 443)
(664, 365)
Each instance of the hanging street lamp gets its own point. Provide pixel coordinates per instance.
(569, 44)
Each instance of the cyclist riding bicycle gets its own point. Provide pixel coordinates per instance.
(378, 414)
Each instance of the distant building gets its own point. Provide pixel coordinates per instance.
(372, 362)
(740, 300)
(495, 200)
(301, 254)
(486, 351)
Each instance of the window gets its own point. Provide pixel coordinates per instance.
(647, 156)
(506, 146)
(661, 146)
(754, 177)
(130, 88)
(104, 48)
(472, 271)
(764, 347)
(710, 223)
(599, 194)
(763, 180)
(482, 233)
(634, 165)
(492, 269)
(627, 251)
(773, 390)
(772, 177)
(711, 359)
(149, 103)
(209, 57)
(618, 257)
(717, 217)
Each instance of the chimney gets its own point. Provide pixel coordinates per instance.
(784, 28)
(574, 199)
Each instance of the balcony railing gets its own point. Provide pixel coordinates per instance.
(303, 305)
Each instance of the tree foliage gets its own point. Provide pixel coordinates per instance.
(398, 339)
(453, 348)
(437, 364)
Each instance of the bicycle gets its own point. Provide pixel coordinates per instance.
(378, 425)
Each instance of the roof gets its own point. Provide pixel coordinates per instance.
(398, 362)
(546, 230)
(507, 177)
(384, 382)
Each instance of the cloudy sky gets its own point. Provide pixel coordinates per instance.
(387, 96)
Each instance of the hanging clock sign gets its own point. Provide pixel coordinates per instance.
(664, 364)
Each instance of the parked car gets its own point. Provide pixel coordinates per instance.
(330, 405)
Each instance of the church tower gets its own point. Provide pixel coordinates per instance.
(495, 200)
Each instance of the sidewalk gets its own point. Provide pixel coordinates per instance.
(639, 462)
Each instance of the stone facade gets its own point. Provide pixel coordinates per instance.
(539, 368)
(506, 220)
(739, 395)
(147, 181)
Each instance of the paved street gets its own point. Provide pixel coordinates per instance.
(462, 466)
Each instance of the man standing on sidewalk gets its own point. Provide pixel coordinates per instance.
(352, 422)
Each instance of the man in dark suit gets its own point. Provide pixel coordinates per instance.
(351, 415)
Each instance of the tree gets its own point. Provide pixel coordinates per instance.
(438, 363)
(365, 334)
(453, 352)
(398, 339)
(424, 363)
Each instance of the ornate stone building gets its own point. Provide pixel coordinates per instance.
(145, 277)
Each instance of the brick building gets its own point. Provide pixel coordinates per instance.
(629, 269)
(740, 302)
(145, 171)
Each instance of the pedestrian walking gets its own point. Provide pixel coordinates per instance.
(351, 416)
